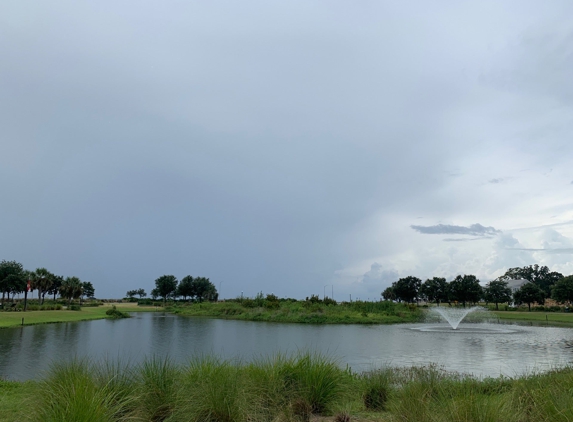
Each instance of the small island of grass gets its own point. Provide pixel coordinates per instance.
(313, 310)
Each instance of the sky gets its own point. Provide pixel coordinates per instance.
(295, 148)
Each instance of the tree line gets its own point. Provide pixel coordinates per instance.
(541, 284)
(168, 287)
(14, 279)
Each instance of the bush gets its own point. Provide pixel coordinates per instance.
(75, 308)
(115, 313)
(375, 390)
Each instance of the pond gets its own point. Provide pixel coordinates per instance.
(26, 352)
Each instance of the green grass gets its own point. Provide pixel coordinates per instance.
(14, 319)
(281, 388)
(309, 313)
(539, 318)
(14, 396)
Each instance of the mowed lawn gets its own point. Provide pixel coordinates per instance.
(550, 318)
(13, 319)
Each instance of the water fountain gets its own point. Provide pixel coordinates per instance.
(455, 315)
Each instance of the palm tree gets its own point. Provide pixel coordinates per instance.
(42, 280)
(71, 289)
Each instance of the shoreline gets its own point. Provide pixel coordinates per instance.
(88, 313)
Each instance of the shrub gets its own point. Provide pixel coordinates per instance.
(115, 313)
(375, 390)
(75, 308)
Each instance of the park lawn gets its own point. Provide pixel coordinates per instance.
(550, 318)
(14, 319)
(14, 396)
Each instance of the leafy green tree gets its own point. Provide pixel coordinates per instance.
(563, 290)
(496, 291)
(529, 293)
(141, 293)
(388, 294)
(406, 289)
(41, 280)
(540, 276)
(131, 294)
(71, 289)
(186, 288)
(435, 290)
(465, 289)
(165, 287)
(88, 289)
(8, 268)
(204, 289)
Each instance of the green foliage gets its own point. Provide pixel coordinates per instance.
(541, 276)
(280, 388)
(88, 289)
(156, 393)
(314, 312)
(115, 313)
(165, 287)
(529, 293)
(375, 389)
(74, 308)
(435, 290)
(407, 289)
(496, 291)
(73, 392)
(465, 289)
(71, 288)
(563, 290)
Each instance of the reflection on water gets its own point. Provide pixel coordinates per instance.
(482, 350)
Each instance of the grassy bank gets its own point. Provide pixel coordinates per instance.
(559, 319)
(284, 388)
(14, 319)
(306, 312)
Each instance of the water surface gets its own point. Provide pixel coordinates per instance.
(25, 352)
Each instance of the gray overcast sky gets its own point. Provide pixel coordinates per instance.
(286, 146)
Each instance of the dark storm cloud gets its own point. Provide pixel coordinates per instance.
(473, 230)
(248, 142)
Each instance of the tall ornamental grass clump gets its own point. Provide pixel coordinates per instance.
(315, 379)
(79, 391)
(156, 388)
(213, 391)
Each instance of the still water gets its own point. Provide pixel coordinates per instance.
(26, 352)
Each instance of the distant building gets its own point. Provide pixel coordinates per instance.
(515, 285)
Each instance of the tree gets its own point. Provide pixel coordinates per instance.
(529, 293)
(186, 287)
(204, 289)
(496, 291)
(8, 268)
(435, 290)
(465, 289)
(540, 276)
(563, 290)
(388, 294)
(407, 288)
(131, 294)
(41, 280)
(57, 281)
(141, 293)
(71, 289)
(88, 289)
(165, 287)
